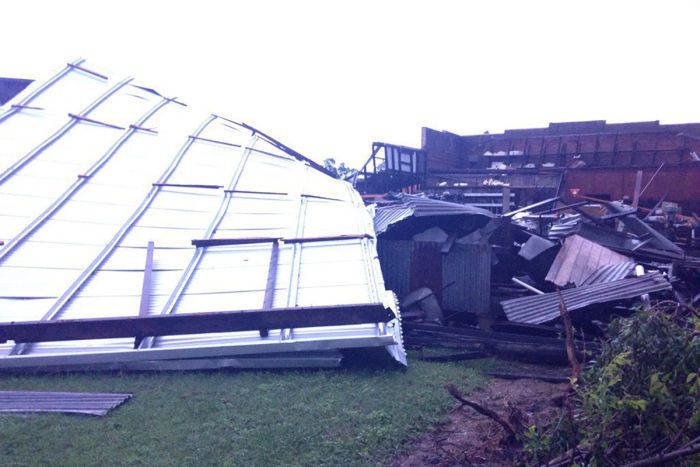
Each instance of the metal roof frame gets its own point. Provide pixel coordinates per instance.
(351, 306)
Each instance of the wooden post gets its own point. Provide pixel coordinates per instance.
(506, 199)
(637, 189)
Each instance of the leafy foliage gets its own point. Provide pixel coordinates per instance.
(338, 171)
(639, 398)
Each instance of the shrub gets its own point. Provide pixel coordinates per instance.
(640, 397)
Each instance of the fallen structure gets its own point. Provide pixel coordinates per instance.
(140, 233)
(482, 283)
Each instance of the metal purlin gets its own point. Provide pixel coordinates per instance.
(37, 92)
(187, 273)
(298, 227)
(295, 269)
(82, 179)
(63, 130)
(61, 301)
(366, 246)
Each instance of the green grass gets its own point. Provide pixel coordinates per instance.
(349, 416)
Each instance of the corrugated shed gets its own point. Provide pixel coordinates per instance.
(578, 259)
(460, 279)
(537, 309)
(92, 169)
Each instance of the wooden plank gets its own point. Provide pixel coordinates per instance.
(506, 199)
(194, 323)
(637, 189)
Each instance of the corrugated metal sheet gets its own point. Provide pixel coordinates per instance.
(85, 403)
(420, 206)
(467, 267)
(578, 259)
(395, 258)
(566, 226)
(80, 200)
(610, 273)
(539, 309)
(386, 216)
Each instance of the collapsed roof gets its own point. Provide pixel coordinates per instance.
(118, 203)
(406, 206)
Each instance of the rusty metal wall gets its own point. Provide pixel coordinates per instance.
(681, 183)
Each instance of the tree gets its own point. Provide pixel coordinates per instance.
(341, 171)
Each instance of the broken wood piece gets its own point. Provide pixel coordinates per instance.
(689, 449)
(455, 357)
(527, 286)
(454, 392)
(569, 333)
(545, 378)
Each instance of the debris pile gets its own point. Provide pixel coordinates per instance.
(481, 282)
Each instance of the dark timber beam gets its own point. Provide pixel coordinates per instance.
(204, 242)
(194, 323)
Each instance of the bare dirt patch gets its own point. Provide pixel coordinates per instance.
(468, 438)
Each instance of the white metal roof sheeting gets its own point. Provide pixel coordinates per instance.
(81, 196)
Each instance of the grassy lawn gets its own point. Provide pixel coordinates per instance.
(350, 416)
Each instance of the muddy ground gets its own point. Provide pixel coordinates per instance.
(468, 438)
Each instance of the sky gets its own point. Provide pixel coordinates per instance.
(329, 78)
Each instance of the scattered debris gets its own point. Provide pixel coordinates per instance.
(85, 403)
(537, 309)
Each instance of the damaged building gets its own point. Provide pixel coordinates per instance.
(138, 232)
(485, 238)
(594, 158)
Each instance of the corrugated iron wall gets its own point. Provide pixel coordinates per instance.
(469, 265)
(395, 257)
(407, 265)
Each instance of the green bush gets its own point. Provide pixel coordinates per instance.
(639, 398)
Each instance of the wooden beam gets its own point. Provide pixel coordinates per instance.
(637, 189)
(506, 199)
(243, 241)
(194, 323)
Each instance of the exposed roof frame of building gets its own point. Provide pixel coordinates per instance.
(106, 186)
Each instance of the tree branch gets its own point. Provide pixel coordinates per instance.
(454, 392)
(685, 451)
